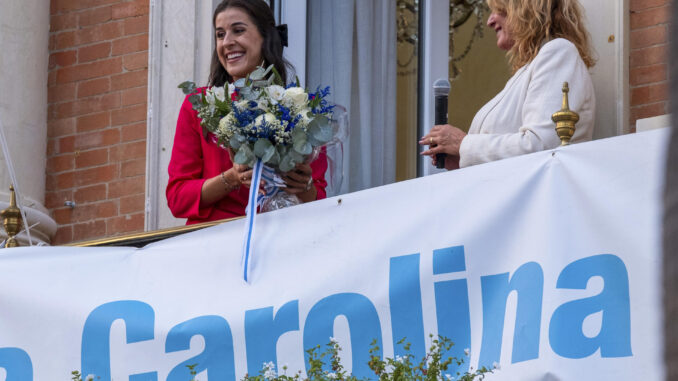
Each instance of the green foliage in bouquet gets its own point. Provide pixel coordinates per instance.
(258, 118)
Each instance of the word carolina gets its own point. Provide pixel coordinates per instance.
(263, 328)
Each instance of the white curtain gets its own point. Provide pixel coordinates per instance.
(352, 48)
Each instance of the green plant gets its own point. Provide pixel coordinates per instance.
(323, 366)
(326, 365)
(433, 367)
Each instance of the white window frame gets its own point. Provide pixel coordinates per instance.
(176, 27)
(293, 13)
(608, 24)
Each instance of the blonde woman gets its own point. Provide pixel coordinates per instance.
(547, 45)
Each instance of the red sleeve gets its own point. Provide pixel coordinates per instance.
(319, 167)
(186, 167)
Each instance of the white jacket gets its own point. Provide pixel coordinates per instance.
(518, 120)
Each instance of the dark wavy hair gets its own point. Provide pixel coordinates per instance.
(271, 47)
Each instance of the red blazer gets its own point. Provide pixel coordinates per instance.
(196, 159)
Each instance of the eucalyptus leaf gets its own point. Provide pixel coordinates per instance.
(259, 83)
(302, 146)
(264, 72)
(195, 100)
(275, 158)
(260, 147)
(234, 142)
(244, 155)
(290, 160)
(286, 163)
(314, 142)
(263, 149)
(250, 93)
(257, 74)
(240, 137)
(240, 83)
(268, 155)
(320, 129)
(245, 92)
(296, 157)
(282, 150)
(298, 135)
(269, 69)
(187, 87)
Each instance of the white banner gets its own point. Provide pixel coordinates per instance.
(547, 264)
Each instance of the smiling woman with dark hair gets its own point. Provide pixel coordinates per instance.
(271, 45)
(204, 183)
(547, 45)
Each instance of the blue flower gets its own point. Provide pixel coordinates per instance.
(292, 123)
(284, 112)
(318, 101)
(246, 116)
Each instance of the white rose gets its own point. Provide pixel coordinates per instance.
(295, 96)
(305, 119)
(209, 97)
(268, 118)
(219, 93)
(275, 93)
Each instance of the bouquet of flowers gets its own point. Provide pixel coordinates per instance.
(260, 119)
(268, 127)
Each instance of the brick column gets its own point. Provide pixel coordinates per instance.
(97, 86)
(648, 66)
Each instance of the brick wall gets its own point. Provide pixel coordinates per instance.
(648, 67)
(97, 89)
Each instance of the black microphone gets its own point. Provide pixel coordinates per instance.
(441, 89)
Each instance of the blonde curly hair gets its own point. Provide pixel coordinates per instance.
(531, 22)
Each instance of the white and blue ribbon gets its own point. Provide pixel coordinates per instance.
(250, 213)
(273, 185)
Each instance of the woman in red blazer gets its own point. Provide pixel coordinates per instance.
(204, 183)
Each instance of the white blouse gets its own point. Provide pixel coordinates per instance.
(518, 120)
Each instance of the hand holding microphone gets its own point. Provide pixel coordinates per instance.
(443, 139)
(441, 90)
